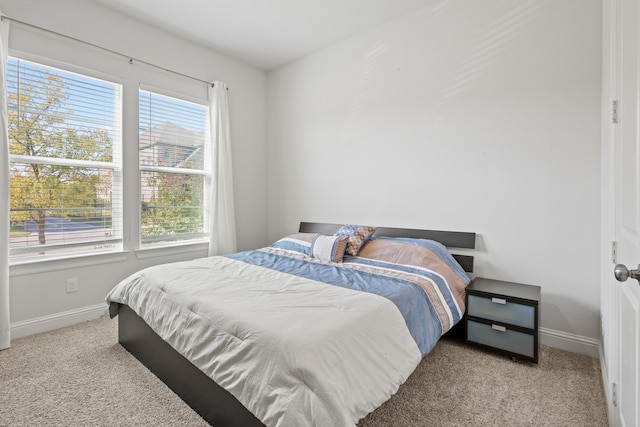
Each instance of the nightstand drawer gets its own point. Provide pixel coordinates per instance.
(500, 337)
(501, 310)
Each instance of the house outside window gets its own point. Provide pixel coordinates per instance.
(65, 162)
(172, 145)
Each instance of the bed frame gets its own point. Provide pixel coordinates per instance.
(212, 402)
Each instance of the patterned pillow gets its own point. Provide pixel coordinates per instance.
(328, 248)
(358, 236)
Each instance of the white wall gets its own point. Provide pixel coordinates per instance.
(38, 293)
(467, 115)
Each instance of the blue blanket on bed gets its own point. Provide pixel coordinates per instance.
(398, 283)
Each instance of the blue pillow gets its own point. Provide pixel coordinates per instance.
(299, 242)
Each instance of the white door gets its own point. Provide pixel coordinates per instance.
(624, 318)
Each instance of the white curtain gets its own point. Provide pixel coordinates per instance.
(5, 327)
(222, 214)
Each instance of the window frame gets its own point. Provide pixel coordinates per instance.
(150, 248)
(115, 166)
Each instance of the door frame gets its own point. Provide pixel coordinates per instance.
(609, 303)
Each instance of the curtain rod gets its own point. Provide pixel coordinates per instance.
(130, 58)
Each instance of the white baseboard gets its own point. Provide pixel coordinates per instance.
(550, 337)
(570, 342)
(56, 320)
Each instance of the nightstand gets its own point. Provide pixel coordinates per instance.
(503, 316)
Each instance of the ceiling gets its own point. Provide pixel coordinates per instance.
(265, 33)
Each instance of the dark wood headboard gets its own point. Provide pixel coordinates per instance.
(451, 239)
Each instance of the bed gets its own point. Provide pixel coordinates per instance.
(319, 328)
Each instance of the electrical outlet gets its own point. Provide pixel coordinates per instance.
(72, 285)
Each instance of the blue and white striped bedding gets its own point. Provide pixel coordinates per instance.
(299, 341)
(405, 285)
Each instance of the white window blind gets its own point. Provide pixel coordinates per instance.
(65, 162)
(173, 174)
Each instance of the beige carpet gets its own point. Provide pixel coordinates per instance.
(80, 376)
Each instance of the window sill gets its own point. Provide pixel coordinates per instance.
(34, 266)
(174, 249)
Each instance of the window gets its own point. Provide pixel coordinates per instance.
(65, 162)
(173, 172)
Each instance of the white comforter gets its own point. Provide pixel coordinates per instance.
(295, 352)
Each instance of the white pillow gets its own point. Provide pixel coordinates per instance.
(329, 248)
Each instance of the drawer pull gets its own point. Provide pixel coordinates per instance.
(498, 328)
(499, 300)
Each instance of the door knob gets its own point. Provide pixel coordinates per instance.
(622, 273)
